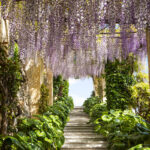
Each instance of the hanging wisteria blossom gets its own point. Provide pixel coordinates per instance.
(77, 37)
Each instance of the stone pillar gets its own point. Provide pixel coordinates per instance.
(4, 31)
(99, 86)
(95, 82)
(148, 48)
(50, 86)
(37, 74)
(103, 87)
(35, 77)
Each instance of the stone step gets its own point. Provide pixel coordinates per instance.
(79, 119)
(83, 149)
(78, 114)
(85, 140)
(76, 129)
(80, 145)
(78, 125)
(79, 131)
(77, 109)
(82, 135)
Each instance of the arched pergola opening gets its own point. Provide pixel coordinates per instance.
(80, 89)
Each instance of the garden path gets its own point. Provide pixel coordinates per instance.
(79, 135)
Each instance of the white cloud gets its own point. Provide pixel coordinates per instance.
(72, 81)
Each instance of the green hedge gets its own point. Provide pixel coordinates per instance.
(42, 132)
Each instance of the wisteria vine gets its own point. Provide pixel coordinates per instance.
(77, 37)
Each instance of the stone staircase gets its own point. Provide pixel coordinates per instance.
(79, 135)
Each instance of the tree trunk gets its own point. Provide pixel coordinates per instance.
(4, 122)
(4, 113)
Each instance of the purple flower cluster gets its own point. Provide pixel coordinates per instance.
(68, 33)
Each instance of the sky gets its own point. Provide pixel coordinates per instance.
(145, 64)
(81, 89)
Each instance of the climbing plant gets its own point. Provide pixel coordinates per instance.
(119, 78)
(11, 79)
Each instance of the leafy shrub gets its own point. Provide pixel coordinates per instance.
(119, 79)
(97, 110)
(123, 129)
(43, 102)
(61, 109)
(139, 147)
(141, 96)
(89, 103)
(42, 132)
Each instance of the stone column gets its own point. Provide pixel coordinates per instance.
(4, 31)
(50, 86)
(95, 83)
(99, 86)
(148, 48)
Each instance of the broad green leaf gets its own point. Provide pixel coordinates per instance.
(40, 133)
(107, 118)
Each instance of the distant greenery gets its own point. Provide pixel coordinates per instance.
(41, 132)
(60, 87)
(90, 102)
(123, 128)
(43, 102)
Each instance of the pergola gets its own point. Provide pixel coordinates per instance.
(76, 38)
